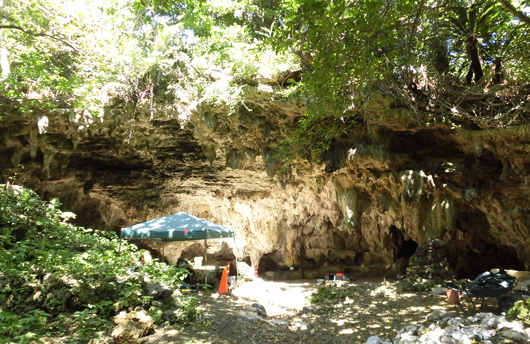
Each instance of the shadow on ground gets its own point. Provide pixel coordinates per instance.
(349, 313)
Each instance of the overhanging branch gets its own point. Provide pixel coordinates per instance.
(416, 22)
(39, 34)
(518, 14)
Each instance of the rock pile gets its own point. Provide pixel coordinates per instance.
(427, 268)
(131, 326)
(480, 328)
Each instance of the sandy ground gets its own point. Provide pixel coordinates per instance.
(353, 312)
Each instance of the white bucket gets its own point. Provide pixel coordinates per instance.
(198, 261)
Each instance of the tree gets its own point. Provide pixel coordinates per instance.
(349, 50)
(469, 23)
(518, 14)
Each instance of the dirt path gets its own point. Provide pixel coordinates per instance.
(350, 313)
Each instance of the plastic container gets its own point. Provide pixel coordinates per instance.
(452, 296)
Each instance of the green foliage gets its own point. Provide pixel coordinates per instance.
(327, 294)
(191, 52)
(44, 55)
(206, 16)
(88, 321)
(66, 249)
(187, 310)
(352, 50)
(44, 261)
(167, 274)
(520, 312)
(22, 329)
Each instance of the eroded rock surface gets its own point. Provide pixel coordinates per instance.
(394, 183)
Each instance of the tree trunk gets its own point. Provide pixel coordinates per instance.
(472, 53)
(499, 75)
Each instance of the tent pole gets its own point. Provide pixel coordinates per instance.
(163, 249)
(206, 257)
(235, 250)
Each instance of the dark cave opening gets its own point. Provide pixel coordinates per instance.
(405, 247)
(472, 251)
(470, 264)
(266, 263)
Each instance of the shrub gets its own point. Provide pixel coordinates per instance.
(49, 267)
(520, 311)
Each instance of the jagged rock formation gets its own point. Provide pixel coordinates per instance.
(396, 182)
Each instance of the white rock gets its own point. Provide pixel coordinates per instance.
(450, 322)
(454, 332)
(512, 335)
(465, 340)
(483, 333)
(430, 341)
(374, 340)
(513, 325)
(493, 321)
(281, 322)
(410, 340)
(301, 325)
(484, 315)
(439, 315)
(447, 339)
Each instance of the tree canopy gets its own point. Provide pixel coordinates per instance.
(193, 51)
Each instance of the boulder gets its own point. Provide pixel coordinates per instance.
(51, 281)
(57, 301)
(509, 335)
(159, 291)
(374, 340)
(131, 326)
(439, 315)
(102, 339)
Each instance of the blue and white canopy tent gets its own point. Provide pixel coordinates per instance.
(177, 227)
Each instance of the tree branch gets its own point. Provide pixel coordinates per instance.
(38, 34)
(414, 25)
(518, 14)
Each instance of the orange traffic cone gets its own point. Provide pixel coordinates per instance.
(223, 286)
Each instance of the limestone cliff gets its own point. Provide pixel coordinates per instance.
(393, 183)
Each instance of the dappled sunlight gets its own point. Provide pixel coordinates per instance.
(347, 331)
(369, 310)
(354, 311)
(279, 298)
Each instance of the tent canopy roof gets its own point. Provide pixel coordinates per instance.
(177, 227)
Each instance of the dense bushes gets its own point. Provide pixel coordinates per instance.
(54, 275)
(520, 312)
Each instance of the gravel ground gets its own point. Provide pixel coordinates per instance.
(346, 313)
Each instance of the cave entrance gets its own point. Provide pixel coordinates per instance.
(405, 248)
(473, 251)
(266, 263)
(470, 264)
